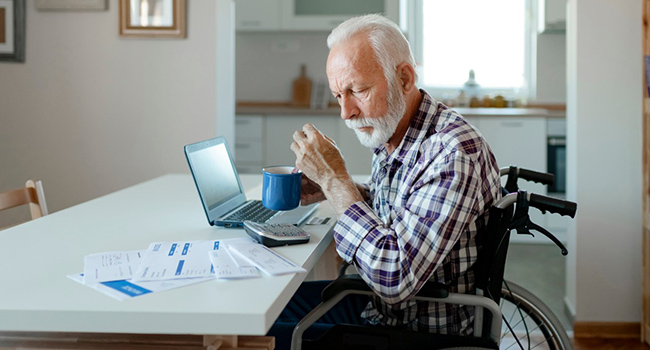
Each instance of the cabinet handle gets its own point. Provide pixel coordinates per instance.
(335, 23)
(249, 23)
(242, 145)
(512, 124)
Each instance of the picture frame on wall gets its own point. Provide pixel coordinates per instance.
(12, 30)
(153, 18)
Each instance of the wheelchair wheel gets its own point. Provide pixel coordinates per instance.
(528, 323)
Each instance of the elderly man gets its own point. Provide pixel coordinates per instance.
(433, 179)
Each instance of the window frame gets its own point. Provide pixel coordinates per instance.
(412, 21)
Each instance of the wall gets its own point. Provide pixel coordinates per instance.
(90, 112)
(551, 68)
(604, 117)
(257, 52)
(286, 51)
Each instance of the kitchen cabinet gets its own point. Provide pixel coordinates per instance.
(280, 129)
(273, 146)
(358, 158)
(249, 141)
(325, 15)
(257, 15)
(517, 141)
(521, 142)
(551, 16)
(288, 15)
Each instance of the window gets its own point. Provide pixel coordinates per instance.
(494, 38)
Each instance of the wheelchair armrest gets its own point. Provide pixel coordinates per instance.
(354, 283)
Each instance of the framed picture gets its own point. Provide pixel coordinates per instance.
(152, 18)
(12, 30)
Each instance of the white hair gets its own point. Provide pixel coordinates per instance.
(386, 39)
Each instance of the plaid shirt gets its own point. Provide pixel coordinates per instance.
(427, 201)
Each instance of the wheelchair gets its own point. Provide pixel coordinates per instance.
(506, 315)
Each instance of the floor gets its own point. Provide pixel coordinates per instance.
(541, 269)
(609, 344)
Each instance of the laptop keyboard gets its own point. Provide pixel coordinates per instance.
(254, 212)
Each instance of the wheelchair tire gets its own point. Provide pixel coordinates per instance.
(533, 323)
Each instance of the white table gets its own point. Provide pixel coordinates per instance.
(36, 295)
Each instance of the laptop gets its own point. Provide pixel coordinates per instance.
(221, 191)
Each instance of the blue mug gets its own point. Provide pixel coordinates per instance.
(281, 187)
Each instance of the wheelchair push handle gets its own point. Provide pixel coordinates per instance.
(553, 205)
(531, 175)
(544, 203)
(513, 172)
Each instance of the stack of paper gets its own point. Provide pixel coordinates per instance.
(265, 259)
(168, 265)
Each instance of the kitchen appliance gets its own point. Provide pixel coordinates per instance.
(556, 154)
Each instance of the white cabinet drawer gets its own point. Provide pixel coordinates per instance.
(249, 127)
(516, 141)
(248, 151)
(520, 142)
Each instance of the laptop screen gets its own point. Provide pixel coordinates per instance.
(214, 175)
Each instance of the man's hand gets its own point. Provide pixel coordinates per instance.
(322, 164)
(317, 156)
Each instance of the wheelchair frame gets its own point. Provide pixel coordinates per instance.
(491, 271)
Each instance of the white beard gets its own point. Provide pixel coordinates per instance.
(383, 127)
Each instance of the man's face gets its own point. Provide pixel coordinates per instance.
(369, 105)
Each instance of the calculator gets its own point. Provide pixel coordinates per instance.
(273, 235)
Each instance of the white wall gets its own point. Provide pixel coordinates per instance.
(90, 112)
(267, 63)
(551, 68)
(604, 114)
(286, 51)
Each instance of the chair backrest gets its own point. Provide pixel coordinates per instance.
(31, 194)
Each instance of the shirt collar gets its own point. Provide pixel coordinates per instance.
(420, 125)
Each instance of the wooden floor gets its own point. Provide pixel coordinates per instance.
(608, 344)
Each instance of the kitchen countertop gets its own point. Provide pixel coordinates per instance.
(468, 112)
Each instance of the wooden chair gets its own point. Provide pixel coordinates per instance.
(31, 194)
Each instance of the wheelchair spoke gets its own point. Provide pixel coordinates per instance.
(516, 311)
(514, 336)
(543, 341)
(530, 324)
(520, 321)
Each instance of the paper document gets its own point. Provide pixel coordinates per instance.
(127, 289)
(174, 260)
(226, 267)
(111, 266)
(265, 259)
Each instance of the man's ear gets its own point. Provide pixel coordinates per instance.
(406, 75)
